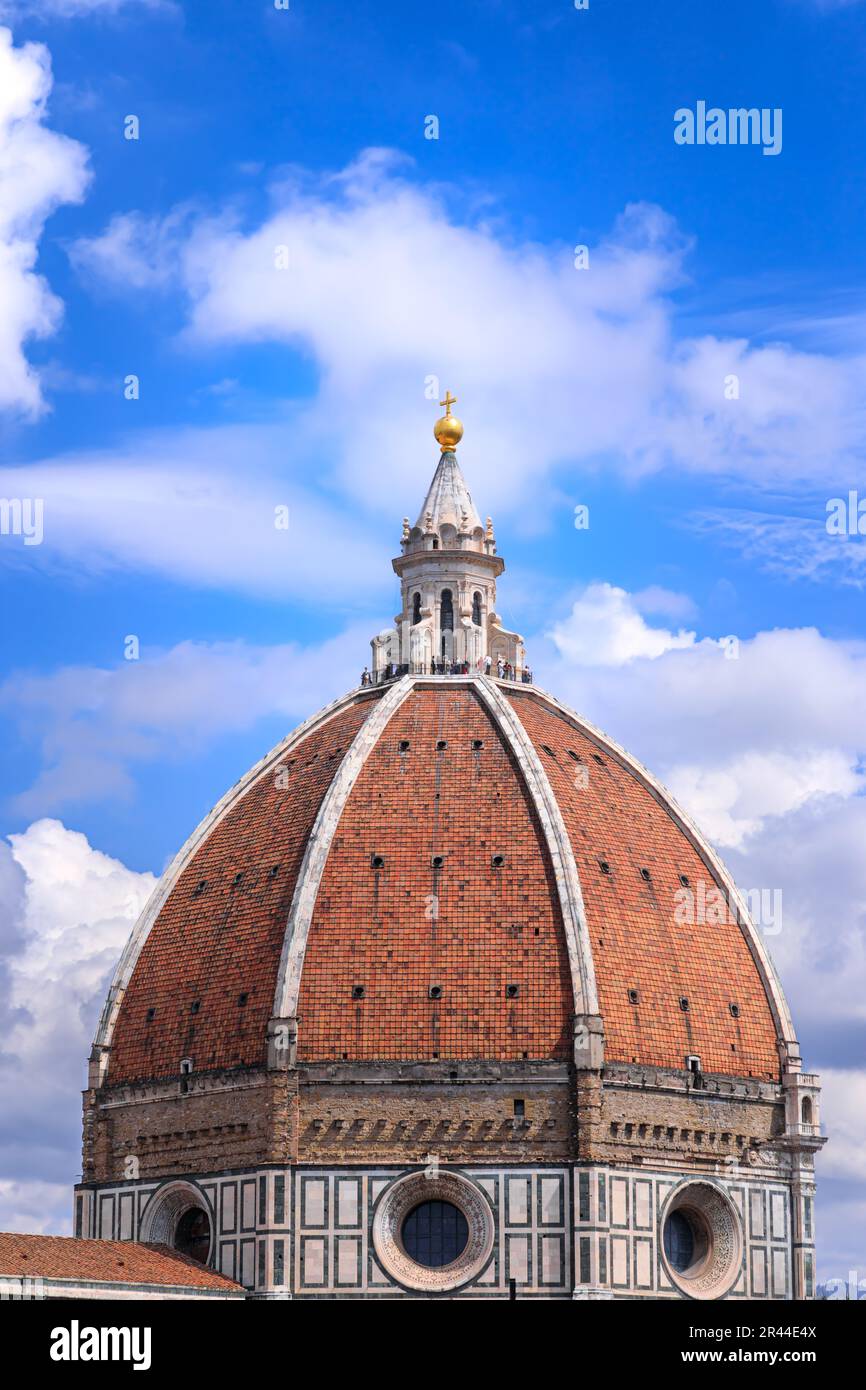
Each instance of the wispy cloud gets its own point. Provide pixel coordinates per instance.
(798, 547)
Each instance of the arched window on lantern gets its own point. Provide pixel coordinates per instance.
(447, 611)
(476, 609)
(416, 608)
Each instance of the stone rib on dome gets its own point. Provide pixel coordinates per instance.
(370, 779)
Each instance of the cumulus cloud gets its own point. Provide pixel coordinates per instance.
(763, 744)
(39, 170)
(606, 628)
(75, 908)
(750, 730)
(350, 269)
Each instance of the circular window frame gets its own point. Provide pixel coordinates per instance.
(162, 1214)
(409, 1191)
(718, 1235)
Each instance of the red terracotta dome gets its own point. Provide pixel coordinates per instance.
(451, 867)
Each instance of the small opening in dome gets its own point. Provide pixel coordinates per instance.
(549, 751)
(497, 860)
(345, 1056)
(599, 759)
(633, 996)
(434, 992)
(512, 991)
(403, 746)
(684, 1004)
(242, 1000)
(684, 880)
(441, 745)
(646, 875)
(273, 871)
(574, 756)
(735, 1010)
(477, 743)
(693, 1063)
(199, 888)
(524, 1055)
(357, 991)
(437, 860)
(195, 1006)
(604, 866)
(377, 861)
(151, 1015)
(237, 878)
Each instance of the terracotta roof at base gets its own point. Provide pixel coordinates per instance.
(104, 1262)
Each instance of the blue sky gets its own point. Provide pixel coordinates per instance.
(411, 258)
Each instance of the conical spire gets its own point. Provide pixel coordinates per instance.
(448, 499)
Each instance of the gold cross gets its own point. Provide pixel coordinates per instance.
(448, 402)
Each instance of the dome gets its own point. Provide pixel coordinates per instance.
(443, 868)
(448, 998)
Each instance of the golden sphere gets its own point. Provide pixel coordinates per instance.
(449, 432)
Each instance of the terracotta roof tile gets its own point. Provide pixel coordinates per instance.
(104, 1261)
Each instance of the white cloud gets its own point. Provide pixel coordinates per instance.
(95, 724)
(384, 287)
(76, 9)
(664, 602)
(200, 507)
(75, 908)
(134, 252)
(843, 1114)
(751, 738)
(605, 628)
(732, 802)
(39, 170)
(798, 547)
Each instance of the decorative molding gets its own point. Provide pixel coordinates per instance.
(408, 1192)
(141, 930)
(588, 1037)
(789, 1046)
(718, 1260)
(165, 1208)
(319, 845)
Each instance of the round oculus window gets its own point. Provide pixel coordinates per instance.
(433, 1231)
(435, 1234)
(701, 1239)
